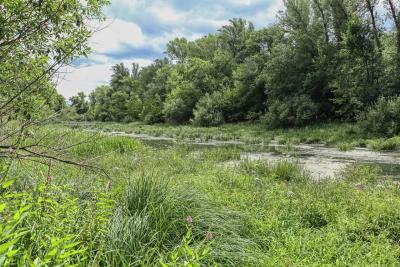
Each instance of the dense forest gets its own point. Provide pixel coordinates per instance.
(323, 60)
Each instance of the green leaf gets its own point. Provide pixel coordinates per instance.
(7, 184)
(74, 252)
(6, 246)
(71, 245)
(17, 215)
(2, 207)
(11, 253)
(51, 254)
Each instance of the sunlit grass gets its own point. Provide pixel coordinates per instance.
(246, 214)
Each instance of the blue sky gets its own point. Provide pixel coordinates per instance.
(138, 30)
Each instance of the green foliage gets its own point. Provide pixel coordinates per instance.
(56, 34)
(39, 226)
(79, 103)
(298, 111)
(208, 110)
(181, 101)
(385, 144)
(187, 206)
(362, 174)
(382, 118)
(321, 61)
(185, 255)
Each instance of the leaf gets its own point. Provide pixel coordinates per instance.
(2, 207)
(6, 246)
(25, 208)
(71, 245)
(74, 252)
(50, 254)
(17, 215)
(11, 253)
(7, 184)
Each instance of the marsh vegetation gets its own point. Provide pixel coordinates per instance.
(181, 205)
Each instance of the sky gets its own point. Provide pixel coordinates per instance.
(138, 31)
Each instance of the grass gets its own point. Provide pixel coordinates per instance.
(343, 136)
(183, 206)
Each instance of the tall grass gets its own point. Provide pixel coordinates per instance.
(180, 205)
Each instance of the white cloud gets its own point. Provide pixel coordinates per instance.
(166, 13)
(114, 33)
(246, 2)
(264, 17)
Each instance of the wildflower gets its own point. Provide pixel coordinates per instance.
(11, 150)
(209, 236)
(189, 220)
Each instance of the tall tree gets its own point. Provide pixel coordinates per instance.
(371, 7)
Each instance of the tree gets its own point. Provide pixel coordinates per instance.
(79, 103)
(323, 60)
(37, 38)
(178, 49)
(233, 37)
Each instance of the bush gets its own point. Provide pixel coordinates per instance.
(208, 111)
(297, 111)
(152, 110)
(383, 118)
(178, 107)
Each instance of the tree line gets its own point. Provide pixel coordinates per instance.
(323, 60)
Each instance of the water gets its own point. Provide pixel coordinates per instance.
(319, 161)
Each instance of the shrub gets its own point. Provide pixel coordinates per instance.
(208, 111)
(185, 254)
(152, 110)
(383, 118)
(178, 107)
(297, 111)
(45, 226)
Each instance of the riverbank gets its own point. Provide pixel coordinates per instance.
(180, 204)
(343, 136)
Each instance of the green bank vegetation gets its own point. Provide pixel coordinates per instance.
(178, 206)
(344, 136)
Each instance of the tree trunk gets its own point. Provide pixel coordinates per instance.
(340, 18)
(371, 11)
(396, 19)
(324, 21)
